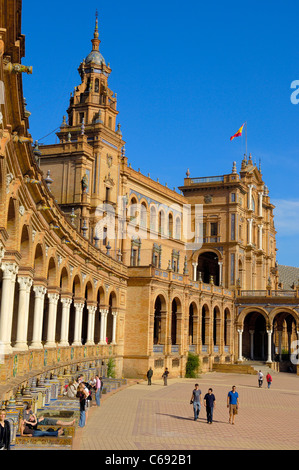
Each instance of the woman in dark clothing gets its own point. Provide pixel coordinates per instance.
(4, 431)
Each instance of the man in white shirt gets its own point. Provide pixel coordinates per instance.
(260, 378)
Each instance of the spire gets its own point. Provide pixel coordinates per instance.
(96, 41)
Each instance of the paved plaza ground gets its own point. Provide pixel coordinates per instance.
(156, 417)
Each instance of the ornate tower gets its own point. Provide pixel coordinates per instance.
(85, 164)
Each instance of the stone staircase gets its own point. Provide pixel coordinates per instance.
(246, 367)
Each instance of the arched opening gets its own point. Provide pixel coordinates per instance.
(39, 262)
(170, 225)
(204, 325)
(112, 307)
(51, 276)
(284, 334)
(161, 222)
(88, 298)
(25, 246)
(153, 219)
(192, 309)
(97, 327)
(254, 340)
(160, 310)
(11, 226)
(208, 268)
(216, 326)
(226, 332)
(143, 215)
(175, 312)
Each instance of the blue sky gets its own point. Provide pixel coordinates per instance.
(187, 76)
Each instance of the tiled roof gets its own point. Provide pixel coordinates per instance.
(288, 275)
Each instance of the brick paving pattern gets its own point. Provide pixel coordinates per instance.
(155, 417)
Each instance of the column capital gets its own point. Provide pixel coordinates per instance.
(10, 270)
(91, 309)
(104, 311)
(66, 301)
(79, 306)
(115, 314)
(53, 298)
(25, 282)
(40, 291)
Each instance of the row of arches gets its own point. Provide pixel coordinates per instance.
(267, 336)
(206, 326)
(156, 218)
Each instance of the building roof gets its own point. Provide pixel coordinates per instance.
(288, 276)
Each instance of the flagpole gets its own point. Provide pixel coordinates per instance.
(246, 137)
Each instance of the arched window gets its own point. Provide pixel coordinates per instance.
(178, 228)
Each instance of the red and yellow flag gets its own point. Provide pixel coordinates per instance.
(239, 133)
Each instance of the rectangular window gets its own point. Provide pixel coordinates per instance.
(214, 229)
(233, 227)
(233, 197)
(232, 268)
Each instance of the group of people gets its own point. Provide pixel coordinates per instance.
(84, 393)
(261, 379)
(210, 403)
(29, 424)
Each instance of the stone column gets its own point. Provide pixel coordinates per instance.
(115, 314)
(250, 186)
(194, 271)
(52, 317)
(40, 292)
(10, 271)
(78, 324)
(251, 344)
(269, 332)
(279, 344)
(240, 332)
(260, 246)
(103, 331)
(25, 284)
(260, 204)
(250, 222)
(90, 326)
(220, 263)
(65, 320)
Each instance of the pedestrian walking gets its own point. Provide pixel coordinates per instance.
(196, 401)
(98, 390)
(260, 377)
(165, 376)
(149, 376)
(210, 404)
(233, 404)
(269, 379)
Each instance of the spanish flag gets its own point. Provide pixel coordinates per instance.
(239, 133)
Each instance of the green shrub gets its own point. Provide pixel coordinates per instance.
(111, 368)
(192, 366)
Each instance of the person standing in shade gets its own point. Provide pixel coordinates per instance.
(210, 404)
(269, 379)
(165, 376)
(260, 377)
(196, 401)
(233, 404)
(149, 376)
